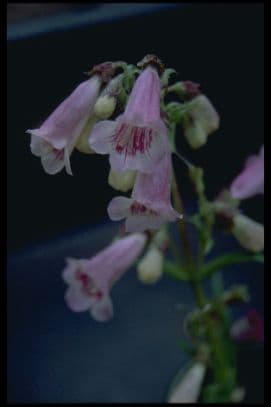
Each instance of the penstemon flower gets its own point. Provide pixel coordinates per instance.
(138, 138)
(90, 280)
(250, 181)
(149, 206)
(55, 140)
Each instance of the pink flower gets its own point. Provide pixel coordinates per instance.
(90, 280)
(149, 206)
(250, 181)
(249, 328)
(55, 139)
(137, 139)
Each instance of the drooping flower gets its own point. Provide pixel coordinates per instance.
(103, 109)
(202, 120)
(55, 139)
(90, 280)
(150, 267)
(249, 233)
(250, 181)
(149, 206)
(137, 139)
(248, 328)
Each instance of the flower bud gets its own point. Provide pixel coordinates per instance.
(202, 120)
(187, 390)
(105, 106)
(161, 239)
(150, 267)
(122, 181)
(249, 233)
(195, 135)
(82, 143)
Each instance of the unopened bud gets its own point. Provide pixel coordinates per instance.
(195, 135)
(202, 120)
(150, 267)
(187, 390)
(249, 233)
(161, 239)
(104, 107)
(122, 181)
(238, 394)
(82, 143)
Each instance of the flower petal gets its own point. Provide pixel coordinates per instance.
(118, 208)
(143, 160)
(100, 135)
(76, 300)
(102, 310)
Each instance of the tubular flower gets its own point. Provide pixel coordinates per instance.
(137, 139)
(90, 280)
(249, 233)
(250, 181)
(55, 140)
(149, 206)
(202, 120)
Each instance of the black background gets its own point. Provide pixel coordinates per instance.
(219, 46)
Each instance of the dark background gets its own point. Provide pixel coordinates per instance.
(219, 46)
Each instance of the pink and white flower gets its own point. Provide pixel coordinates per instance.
(137, 139)
(149, 206)
(55, 140)
(90, 280)
(250, 181)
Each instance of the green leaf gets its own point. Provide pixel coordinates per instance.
(174, 271)
(227, 260)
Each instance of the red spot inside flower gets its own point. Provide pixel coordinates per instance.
(98, 295)
(88, 286)
(130, 140)
(59, 154)
(139, 209)
(83, 277)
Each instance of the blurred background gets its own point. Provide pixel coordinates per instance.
(51, 45)
(55, 355)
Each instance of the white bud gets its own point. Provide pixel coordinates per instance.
(238, 394)
(150, 267)
(249, 233)
(82, 143)
(161, 239)
(188, 389)
(195, 135)
(122, 181)
(104, 107)
(204, 121)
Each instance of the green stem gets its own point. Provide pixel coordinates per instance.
(214, 329)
